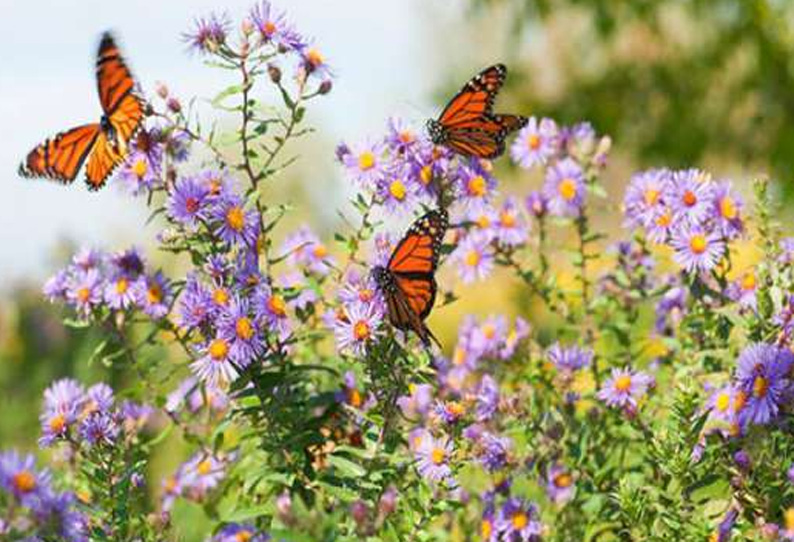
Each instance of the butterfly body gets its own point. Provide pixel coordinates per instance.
(408, 282)
(103, 145)
(468, 124)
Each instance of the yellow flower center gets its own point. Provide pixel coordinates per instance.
(218, 349)
(243, 536)
(651, 196)
(170, 484)
(361, 331)
(788, 519)
(739, 401)
(205, 467)
(483, 221)
(507, 219)
(220, 296)
(314, 57)
(83, 294)
(406, 136)
(235, 218)
(689, 198)
(277, 305)
(24, 481)
(519, 520)
(486, 529)
(563, 480)
(489, 330)
(244, 328)
(122, 285)
(139, 168)
(698, 243)
(154, 294)
(664, 219)
(455, 408)
(623, 383)
(473, 258)
(319, 251)
(728, 208)
(57, 423)
(437, 455)
(426, 175)
(567, 189)
(723, 401)
(760, 386)
(477, 186)
(397, 189)
(748, 281)
(459, 356)
(366, 161)
(365, 295)
(533, 142)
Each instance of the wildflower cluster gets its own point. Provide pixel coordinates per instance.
(615, 399)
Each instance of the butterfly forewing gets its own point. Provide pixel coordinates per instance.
(61, 157)
(114, 80)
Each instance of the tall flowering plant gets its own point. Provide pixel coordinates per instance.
(644, 391)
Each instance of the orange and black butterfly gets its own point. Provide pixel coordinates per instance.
(103, 144)
(468, 125)
(408, 282)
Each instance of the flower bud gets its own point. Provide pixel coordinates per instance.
(162, 90)
(325, 87)
(388, 502)
(742, 460)
(360, 513)
(274, 72)
(173, 105)
(246, 27)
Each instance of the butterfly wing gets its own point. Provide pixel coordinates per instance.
(123, 110)
(61, 157)
(475, 99)
(484, 138)
(412, 269)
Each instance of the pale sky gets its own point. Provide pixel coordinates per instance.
(379, 51)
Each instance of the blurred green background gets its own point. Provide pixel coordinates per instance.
(678, 83)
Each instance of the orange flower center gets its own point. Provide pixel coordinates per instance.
(486, 529)
(698, 243)
(437, 455)
(24, 481)
(244, 328)
(748, 281)
(122, 285)
(361, 331)
(277, 306)
(235, 218)
(563, 480)
(533, 142)
(57, 423)
(220, 296)
(191, 204)
(269, 28)
(507, 219)
(623, 383)
(477, 186)
(243, 536)
(651, 196)
(519, 520)
(664, 219)
(426, 175)
(760, 386)
(218, 349)
(406, 136)
(366, 295)
(689, 198)
(154, 294)
(314, 57)
(739, 401)
(83, 294)
(489, 330)
(728, 208)
(319, 251)
(567, 189)
(139, 168)
(205, 467)
(354, 398)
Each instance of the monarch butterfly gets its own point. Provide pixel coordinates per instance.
(103, 144)
(408, 281)
(468, 125)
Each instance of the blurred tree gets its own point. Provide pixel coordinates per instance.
(677, 81)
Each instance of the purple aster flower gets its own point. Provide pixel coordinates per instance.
(57, 286)
(194, 395)
(432, 458)
(569, 359)
(202, 473)
(418, 403)
(625, 387)
(365, 164)
(511, 228)
(429, 163)
(195, 303)
(494, 450)
(234, 223)
(64, 401)
(360, 289)
(85, 291)
(236, 532)
(691, 196)
(120, 292)
(273, 27)
(395, 191)
(661, 225)
(302, 295)
(697, 249)
(142, 170)
(400, 137)
(177, 145)
(559, 484)
(762, 382)
(489, 337)
(153, 294)
(488, 531)
(671, 308)
(723, 532)
(564, 188)
(487, 399)
(187, 203)
(645, 197)
(519, 332)
(98, 398)
(579, 140)
(742, 290)
(18, 476)
(56, 515)
(219, 185)
(99, 429)
(536, 143)
(242, 331)
(127, 262)
(215, 366)
(484, 219)
(134, 416)
(313, 63)
(208, 34)
(475, 186)
(518, 520)
(450, 411)
(728, 210)
(271, 307)
(721, 405)
(474, 258)
(304, 249)
(88, 258)
(537, 204)
(360, 326)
